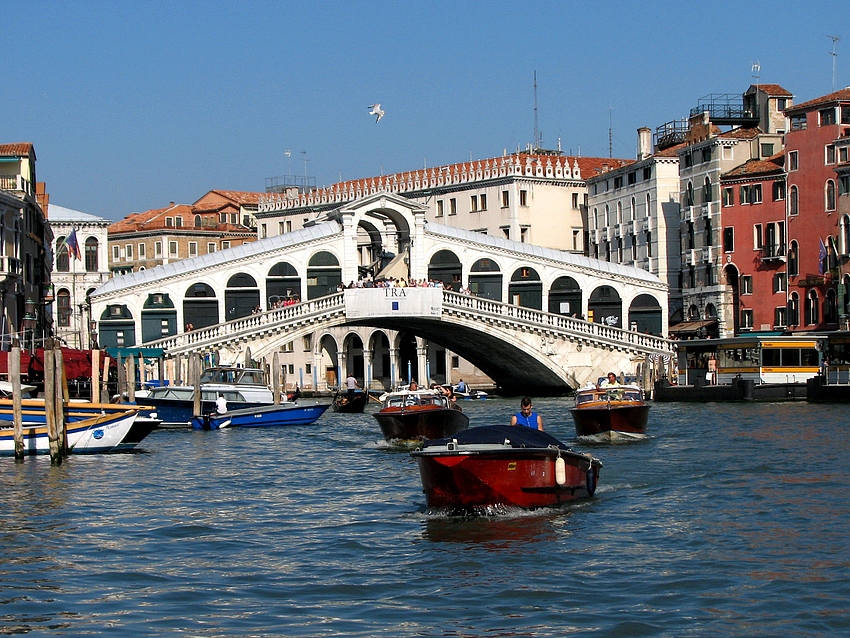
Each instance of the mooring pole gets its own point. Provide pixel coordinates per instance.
(95, 376)
(276, 377)
(50, 404)
(17, 412)
(62, 399)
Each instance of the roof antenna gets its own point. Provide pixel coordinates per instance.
(834, 55)
(610, 133)
(536, 131)
(756, 68)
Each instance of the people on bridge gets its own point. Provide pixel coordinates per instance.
(527, 417)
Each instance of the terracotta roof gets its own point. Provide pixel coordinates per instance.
(741, 133)
(773, 90)
(155, 220)
(241, 197)
(772, 164)
(19, 149)
(842, 95)
(671, 151)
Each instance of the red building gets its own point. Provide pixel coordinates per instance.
(811, 160)
(754, 243)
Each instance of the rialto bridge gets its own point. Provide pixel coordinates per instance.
(532, 319)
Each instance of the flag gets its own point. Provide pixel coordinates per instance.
(821, 257)
(73, 245)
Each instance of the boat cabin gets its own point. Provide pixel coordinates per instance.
(609, 394)
(760, 358)
(234, 376)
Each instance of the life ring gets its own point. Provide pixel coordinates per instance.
(591, 481)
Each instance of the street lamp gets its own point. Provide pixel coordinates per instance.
(29, 322)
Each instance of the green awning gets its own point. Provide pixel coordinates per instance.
(150, 353)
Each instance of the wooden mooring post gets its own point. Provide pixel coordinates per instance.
(17, 411)
(95, 376)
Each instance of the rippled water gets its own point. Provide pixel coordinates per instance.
(729, 520)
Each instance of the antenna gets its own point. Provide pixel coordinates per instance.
(536, 132)
(755, 68)
(288, 155)
(610, 132)
(834, 55)
(304, 153)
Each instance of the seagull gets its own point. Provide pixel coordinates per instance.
(376, 110)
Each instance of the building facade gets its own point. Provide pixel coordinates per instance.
(25, 250)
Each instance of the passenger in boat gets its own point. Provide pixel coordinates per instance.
(413, 385)
(220, 404)
(461, 386)
(526, 417)
(611, 379)
(351, 384)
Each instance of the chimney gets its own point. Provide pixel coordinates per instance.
(644, 143)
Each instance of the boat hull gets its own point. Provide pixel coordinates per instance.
(342, 404)
(468, 478)
(611, 422)
(418, 423)
(263, 416)
(99, 434)
(176, 412)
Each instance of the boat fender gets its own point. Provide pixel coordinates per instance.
(560, 471)
(591, 481)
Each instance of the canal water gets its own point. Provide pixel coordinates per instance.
(730, 520)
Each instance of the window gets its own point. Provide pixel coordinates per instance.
(793, 260)
(210, 248)
(453, 206)
(689, 160)
(689, 194)
(632, 178)
(812, 309)
(198, 221)
(222, 218)
(843, 155)
(225, 245)
(757, 237)
(793, 206)
(633, 211)
(793, 161)
(728, 153)
(128, 251)
(766, 150)
(506, 199)
(728, 239)
(780, 283)
(523, 197)
(798, 122)
(691, 236)
(63, 308)
(288, 225)
(745, 194)
(827, 116)
(648, 205)
(263, 231)
(172, 249)
(163, 327)
(779, 316)
(756, 193)
(746, 319)
(92, 247)
(618, 182)
(116, 253)
(706, 154)
(830, 195)
(473, 204)
(648, 244)
(710, 277)
(193, 249)
(829, 154)
(141, 251)
(746, 284)
(845, 114)
(483, 201)
(728, 197)
(647, 173)
(778, 190)
(439, 208)
(157, 249)
(178, 222)
(781, 103)
(169, 222)
(707, 191)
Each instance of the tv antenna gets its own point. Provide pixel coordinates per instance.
(834, 55)
(304, 153)
(610, 132)
(756, 68)
(536, 131)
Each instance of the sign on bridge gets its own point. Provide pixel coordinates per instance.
(361, 303)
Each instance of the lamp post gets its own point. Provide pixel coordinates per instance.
(30, 320)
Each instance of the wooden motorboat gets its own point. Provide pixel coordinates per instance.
(610, 413)
(262, 416)
(410, 416)
(503, 466)
(341, 402)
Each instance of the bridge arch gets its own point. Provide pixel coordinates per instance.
(324, 274)
(200, 306)
(241, 296)
(282, 283)
(117, 327)
(445, 266)
(565, 297)
(485, 279)
(605, 306)
(645, 315)
(526, 288)
(159, 317)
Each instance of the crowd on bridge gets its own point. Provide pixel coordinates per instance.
(392, 282)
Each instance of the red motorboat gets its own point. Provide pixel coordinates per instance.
(416, 415)
(503, 466)
(609, 413)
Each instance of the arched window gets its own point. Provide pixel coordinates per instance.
(830, 308)
(793, 260)
(830, 195)
(608, 216)
(63, 263)
(689, 195)
(197, 221)
(619, 212)
(595, 219)
(812, 310)
(648, 205)
(633, 211)
(844, 235)
(63, 306)
(707, 194)
(794, 310)
(91, 255)
(793, 201)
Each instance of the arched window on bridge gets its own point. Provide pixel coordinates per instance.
(445, 266)
(605, 306)
(283, 285)
(159, 317)
(485, 279)
(116, 327)
(323, 274)
(645, 315)
(200, 307)
(241, 297)
(526, 289)
(565, 297)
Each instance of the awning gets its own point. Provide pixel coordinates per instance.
(151, 353)
(692, 327)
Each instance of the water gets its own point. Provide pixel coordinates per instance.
(730, 520)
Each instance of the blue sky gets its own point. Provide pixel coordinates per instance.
(132, 105)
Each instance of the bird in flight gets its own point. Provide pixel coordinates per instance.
(376, 110)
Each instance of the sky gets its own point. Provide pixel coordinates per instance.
(132, 105)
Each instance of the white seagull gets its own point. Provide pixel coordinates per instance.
(376, 110)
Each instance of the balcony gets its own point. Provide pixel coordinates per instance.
(10, 267)
(727, 109)
(775, 252)
(15, 183)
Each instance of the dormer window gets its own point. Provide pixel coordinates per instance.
(169, 222)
